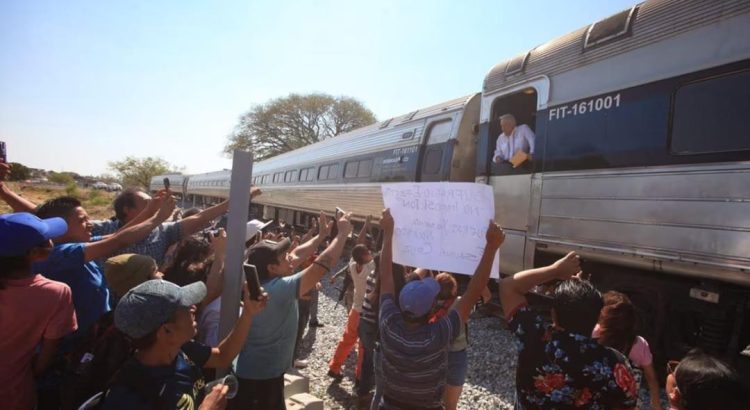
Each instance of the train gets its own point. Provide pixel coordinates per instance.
(641, 164)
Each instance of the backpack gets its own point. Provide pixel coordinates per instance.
(94, 363)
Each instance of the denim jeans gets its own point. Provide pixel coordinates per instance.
(367, 334)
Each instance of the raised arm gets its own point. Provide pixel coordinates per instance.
(15, 201)
(215, 277)
(386, 255)
(495, 238)
(302, 252)
(513, 289)
(129, 236)
(202, 219)
(362, 238)
(223, 354)
(323, 263)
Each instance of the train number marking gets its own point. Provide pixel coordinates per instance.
(584, 107)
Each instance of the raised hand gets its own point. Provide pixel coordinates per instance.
(344, 225)
(167, 207)
(495, 235)
(219, 243)
(568, 266)
(253, 307)
(386, 222)
(217, 399)
(254, 192)
(324, 225)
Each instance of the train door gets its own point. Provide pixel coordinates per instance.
(507, 164)
(436, 152)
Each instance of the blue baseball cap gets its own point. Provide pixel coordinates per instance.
(418, 296)
(21, 232)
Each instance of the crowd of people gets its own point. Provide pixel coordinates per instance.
(124, 314)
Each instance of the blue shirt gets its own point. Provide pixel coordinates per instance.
(154, 245)
(269, 346)
(66, 264)
(414, 359)
(181, 383)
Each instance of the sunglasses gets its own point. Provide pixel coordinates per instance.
(672, 366)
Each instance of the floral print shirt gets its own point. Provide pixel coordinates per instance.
(561, 370)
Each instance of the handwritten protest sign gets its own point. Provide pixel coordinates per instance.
(440, 225)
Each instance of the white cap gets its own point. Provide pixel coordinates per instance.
(255, 226)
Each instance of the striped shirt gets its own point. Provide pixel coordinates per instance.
(414, 359)
(368, 313)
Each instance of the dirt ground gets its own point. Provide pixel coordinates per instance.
(97, 203)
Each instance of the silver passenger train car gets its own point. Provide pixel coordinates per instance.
(641, 164)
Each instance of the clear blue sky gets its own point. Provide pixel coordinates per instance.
(85, 83)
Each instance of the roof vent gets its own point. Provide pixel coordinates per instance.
(611, 28)
(410, 116)
(386, 123)
(517, 64)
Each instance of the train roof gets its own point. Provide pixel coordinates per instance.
(637, 27)
(362, 140)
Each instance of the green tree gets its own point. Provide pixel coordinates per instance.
(19, 172)
(63, 178)
(291, 122)
(137, 172)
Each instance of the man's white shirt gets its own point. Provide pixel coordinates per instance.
(522, 138)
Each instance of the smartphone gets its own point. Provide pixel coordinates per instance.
(166, 183)
(339, 213)
(253, 283)
(3, 153)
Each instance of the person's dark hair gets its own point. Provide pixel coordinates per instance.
(125, 199)
(11, 265)
(190, 212)
(706, 382)
(577, 304)
(359, 252)
(617, 322)
(60, 207)
(189, 251)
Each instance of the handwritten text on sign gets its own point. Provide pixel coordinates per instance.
(440, 225)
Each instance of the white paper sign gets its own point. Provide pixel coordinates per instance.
(441, 225)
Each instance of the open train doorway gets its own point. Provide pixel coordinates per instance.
(522, 105)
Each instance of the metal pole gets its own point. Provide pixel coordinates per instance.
(239, 204)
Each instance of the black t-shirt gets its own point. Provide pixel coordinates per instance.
(180, 383)
(562, 370)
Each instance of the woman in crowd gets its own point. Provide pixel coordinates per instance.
(703, 382)
(617, 329)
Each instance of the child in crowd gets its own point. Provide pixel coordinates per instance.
(616, 329)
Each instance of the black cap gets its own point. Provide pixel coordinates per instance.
(265, 253)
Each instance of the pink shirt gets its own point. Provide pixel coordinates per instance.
(640, 353)
(31, 309)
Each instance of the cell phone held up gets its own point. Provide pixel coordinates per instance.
(166, 183)
(3, 153)
(253, 282)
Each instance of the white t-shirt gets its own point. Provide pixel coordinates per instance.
(360, 282)
(522, 138)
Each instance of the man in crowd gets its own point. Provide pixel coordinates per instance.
(129, 206)
(165, 372)
(268, 351)
(559, 364)
(513, 139)
(361, 266)
(413, 355)
(72, 259)
(35, 312)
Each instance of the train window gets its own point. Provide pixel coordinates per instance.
(307, 174)
(350, 169)
(440, 132)
(328, 172)
(711, 116)
(365, 168)
(290, 176)
(278, 177)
